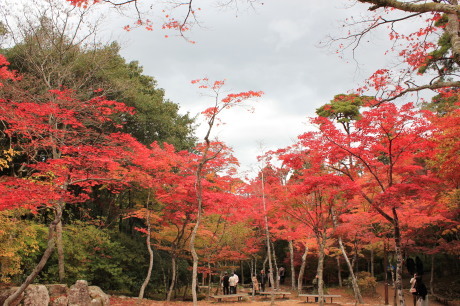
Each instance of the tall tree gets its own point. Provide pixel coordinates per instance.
(388, 146)
(208, 153)
(60, 155)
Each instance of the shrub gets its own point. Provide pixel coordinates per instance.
(367, 283)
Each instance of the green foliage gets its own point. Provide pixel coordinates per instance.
(87, 253)
(441, 60)
(344, 109)
(113, 263)
(442, 104)
(49, 61)
(21, 242)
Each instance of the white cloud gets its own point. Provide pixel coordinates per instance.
(286, 32)
(273, 49)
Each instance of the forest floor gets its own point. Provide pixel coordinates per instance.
(346, 299)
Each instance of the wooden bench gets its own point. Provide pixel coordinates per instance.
(276, 293)
(221, 297)
(316, 296)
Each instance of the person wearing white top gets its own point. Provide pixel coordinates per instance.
(233, 281)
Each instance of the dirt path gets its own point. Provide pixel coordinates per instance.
(346, 299)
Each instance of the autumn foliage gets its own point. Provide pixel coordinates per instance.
(372, 176)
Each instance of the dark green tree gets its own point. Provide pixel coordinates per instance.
(344, 109)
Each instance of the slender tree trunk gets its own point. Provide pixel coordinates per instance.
(203, 278)
(267, 238)
(46, 255)
(173, 277)
(195, 257)
(302, 270)
(291, 257)
(165, 277)
(276, 274)
(185, 290)
(385, 264)
(399, 259)
(339, 270)
(209, 279)
(354, 282)
(432, 275)
(60, 251)
(242, 272)
(321, 239)
(355, 260)
(372, 262)
(199, 195)
(149, 248)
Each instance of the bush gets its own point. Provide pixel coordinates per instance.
(21, 245)
(366, 283)
(90, 253)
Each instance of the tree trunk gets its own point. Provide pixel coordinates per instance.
(302, 270)
(209, 279)
(199, 196)
(276, 274)
(385, 264)
(267, 239)
(60, 251)
(372, 262)
(339, 271)
(173, 278)
(321, 240)
(354, 261)
(354, 283)
(149, 248)
(195, 257)
(399, 259)
(291, 257)
(432, 275)
(242, 272)
(46, 255)
(185, 291)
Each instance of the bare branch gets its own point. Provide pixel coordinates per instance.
(413, 7)
(433, 86)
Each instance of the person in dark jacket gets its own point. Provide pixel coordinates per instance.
(420, 291)
(262, 280)
(282, 274)
(226, 283)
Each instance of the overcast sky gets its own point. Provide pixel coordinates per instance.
(273, 48)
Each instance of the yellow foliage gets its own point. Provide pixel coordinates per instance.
(6, 157)
(17, 239)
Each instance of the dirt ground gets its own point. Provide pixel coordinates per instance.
(346, 299)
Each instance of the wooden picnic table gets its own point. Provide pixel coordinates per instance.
(316, 296)
(221, 297)
(275, 293)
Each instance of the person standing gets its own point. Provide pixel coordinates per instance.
(282, 272)
(412, 288)
(237, 279)
(232, 281)
(226, 283)
(420, 291)
(262, 280)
